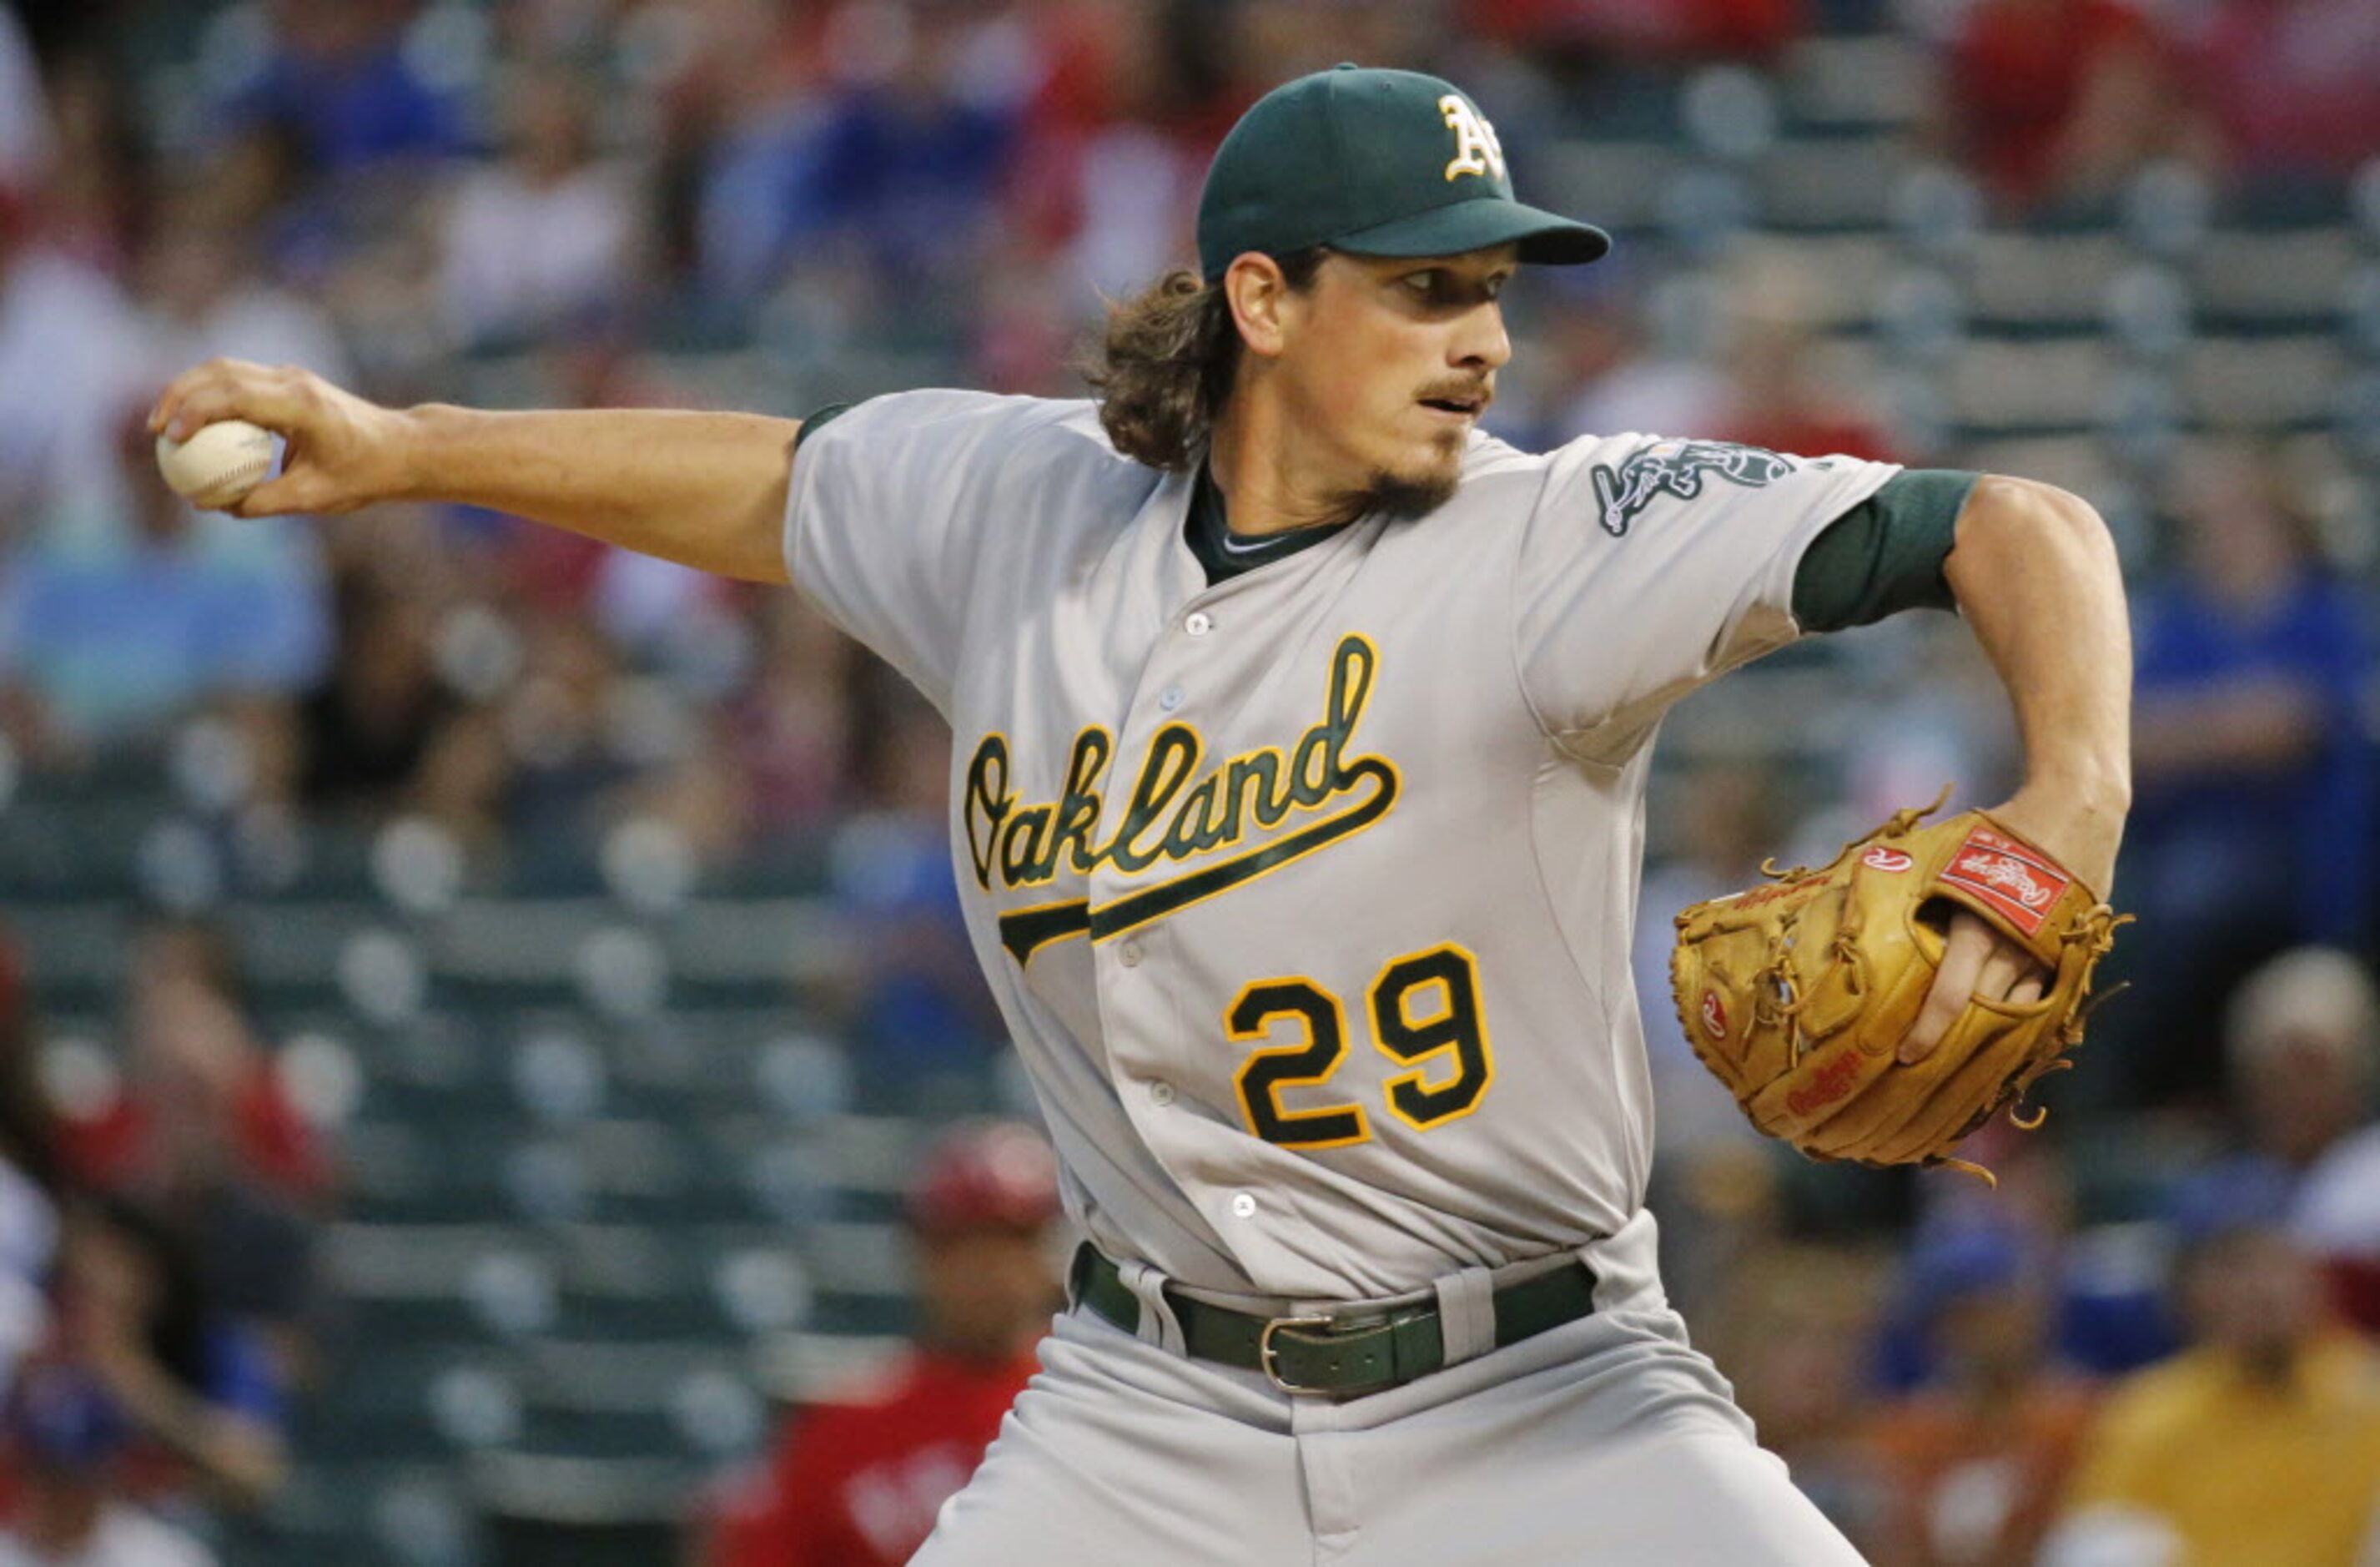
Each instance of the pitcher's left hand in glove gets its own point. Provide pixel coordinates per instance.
(1799, 994)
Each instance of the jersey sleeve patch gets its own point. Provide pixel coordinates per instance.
(1679, 469)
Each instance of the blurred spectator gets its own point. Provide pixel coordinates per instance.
(790, 729)
(26, 143)
(338, 80)
(2324, 1003)
(1789, 1336)
(857, 1482)
(2261, 1442)
(28, 1174)
(892, 174)
(1772, 387)
(72, 359)
(1115, 139)
(111, 633)
(1615, 377)
(95, 191)
(545, 238)
(1974, 1460)
(367, 730)
(558, 731)
(2053, 102)
(1778, 391)
(65, 1437)
(1643, 29)
(921, 1014)
(2289, 83)
(2101, 1267)
(1264, 42)
(1778, 397)
(2301, 1041)
(196, 1386)
(198, 1079)
(206, 290)
(2253, 823)
(204, 1138)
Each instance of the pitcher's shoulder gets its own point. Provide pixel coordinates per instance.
(1000, 418)
(985, 444)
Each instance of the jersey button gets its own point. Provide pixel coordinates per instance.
(1169, 698)
(1160, 1094)
(1243, 1205)
(1200, 624)
(1129, 954)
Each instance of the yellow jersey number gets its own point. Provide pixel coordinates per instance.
(1424, 1011)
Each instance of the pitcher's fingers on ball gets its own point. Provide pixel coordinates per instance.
(286, 495)
(271, 395)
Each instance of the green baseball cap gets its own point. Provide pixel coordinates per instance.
(1379, 163)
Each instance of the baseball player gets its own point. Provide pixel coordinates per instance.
(1302, 736)
(857, 1480)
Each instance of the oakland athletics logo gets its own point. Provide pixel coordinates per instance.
(1477, 150)
(1677, 468)
(1228, 820)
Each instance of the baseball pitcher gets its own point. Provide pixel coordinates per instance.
(1302, 737)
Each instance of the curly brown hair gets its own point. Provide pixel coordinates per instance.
(1166, 362)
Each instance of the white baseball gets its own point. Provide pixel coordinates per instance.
(219, 463)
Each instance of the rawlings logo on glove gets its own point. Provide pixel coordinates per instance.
(1797, 995)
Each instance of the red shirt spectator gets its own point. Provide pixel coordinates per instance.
(858, 1483)
(1643, 29)
(2292, 83)
(114, 1149)
(2044, 94)
(1779, 396)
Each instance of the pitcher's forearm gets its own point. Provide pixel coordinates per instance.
(2035, 576)
(2036, 579)
(706, 490)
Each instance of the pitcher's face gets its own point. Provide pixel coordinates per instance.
(1387, 363)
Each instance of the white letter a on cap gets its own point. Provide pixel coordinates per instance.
(1477, 150)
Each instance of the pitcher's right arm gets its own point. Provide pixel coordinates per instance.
(705, 490)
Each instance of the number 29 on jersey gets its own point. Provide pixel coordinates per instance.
(1422, 1011)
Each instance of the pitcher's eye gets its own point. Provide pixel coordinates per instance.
(1424, 283)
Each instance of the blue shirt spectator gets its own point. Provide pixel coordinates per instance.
(339, 80)
(2252, 821)
(116, 635)
(2292, 817)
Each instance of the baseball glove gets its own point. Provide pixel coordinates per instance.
(1797, 995)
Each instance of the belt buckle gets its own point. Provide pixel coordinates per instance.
(1265, 1352)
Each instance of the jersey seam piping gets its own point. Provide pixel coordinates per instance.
(1593, 992)
(1554, 738)
(1555, 754)
(1513, 614)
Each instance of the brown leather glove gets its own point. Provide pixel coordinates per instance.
(1797, 995)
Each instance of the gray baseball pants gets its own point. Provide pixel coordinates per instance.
(1606, 1440)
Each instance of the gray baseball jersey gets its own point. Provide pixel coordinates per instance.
(1307, 895)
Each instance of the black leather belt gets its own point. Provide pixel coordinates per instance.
(1344, 1355)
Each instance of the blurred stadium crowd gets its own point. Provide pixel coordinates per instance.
(473, 1000)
